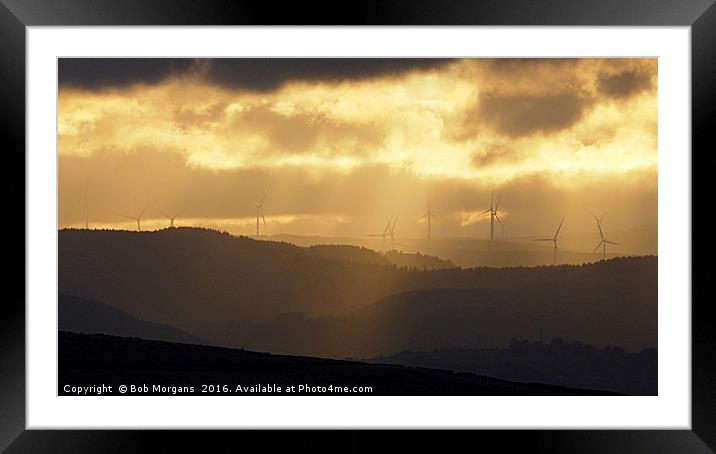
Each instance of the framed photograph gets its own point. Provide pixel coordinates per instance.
(473, 216)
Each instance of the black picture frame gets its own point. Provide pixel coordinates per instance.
(16, 15)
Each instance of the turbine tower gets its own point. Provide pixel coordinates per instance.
(428, 216)
(555, 249)
(494, 214)
(171, 218)
(86, 206)
(260, 213)
(603, 240)
(138, 218)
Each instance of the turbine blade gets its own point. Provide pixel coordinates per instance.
(264, 220)
(263, 198)
(423, 216)
(499, 199)
(145, 209)
(543, 239)
(598, 246)
(128, 217)
(611, 242)
(598, 220)
(180, 212)
(559, 228)
(599, 226)
(164, 214)
(387, 226)
(486, 211)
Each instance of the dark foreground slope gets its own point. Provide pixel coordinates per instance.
(92, 360)
(574, 365)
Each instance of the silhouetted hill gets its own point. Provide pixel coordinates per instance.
(86, 360)
(505, 254)
(357, 254)
(418, 261)
(194, 278)
(185, 276)
(453, 318)
(228, 290)
(572, 364)
(346, 253)
(82, 316)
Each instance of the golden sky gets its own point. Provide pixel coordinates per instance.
(340, 145)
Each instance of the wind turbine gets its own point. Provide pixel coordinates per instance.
(172, 218)
(494, 214)
(428, 216)
(137, 218)
(385, 232)
(392, 230)
(603, 240)
(260, 213)
(86, 205)
(554, 242)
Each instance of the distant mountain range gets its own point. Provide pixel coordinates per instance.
(575, 248)
(346, 301)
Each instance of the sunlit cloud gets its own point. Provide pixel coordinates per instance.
(340, 152)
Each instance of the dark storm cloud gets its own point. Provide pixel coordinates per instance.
(264, 74)
(524, 66)
(255, 74)
(624, 84)
(521, 115)
(97, 73)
